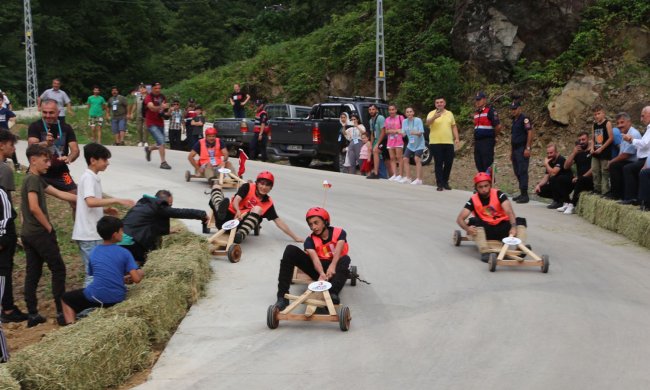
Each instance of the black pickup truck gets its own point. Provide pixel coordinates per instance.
(237, 133)
(302, 140)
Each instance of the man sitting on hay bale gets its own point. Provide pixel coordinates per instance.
(148, 221)
(494, 218)
(111, 267)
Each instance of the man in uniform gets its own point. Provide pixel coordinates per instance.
(521, 141)
(486, 128)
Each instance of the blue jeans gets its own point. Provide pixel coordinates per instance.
(85, 247)
(158, 134)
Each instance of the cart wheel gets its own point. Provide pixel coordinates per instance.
(256, 231)
(457, 238)
(545, 263)
(188, 175)
(492, 262)
(234, 253)
(344, 318)
(353, 275)
(272, 317)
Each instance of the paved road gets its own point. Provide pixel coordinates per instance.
(433, 318)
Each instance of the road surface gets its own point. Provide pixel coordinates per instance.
(433, 317)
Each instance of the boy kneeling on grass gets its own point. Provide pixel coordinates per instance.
(111, 267)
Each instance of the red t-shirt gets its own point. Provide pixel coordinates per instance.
(152, 117)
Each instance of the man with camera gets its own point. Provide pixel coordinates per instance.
(627, 155)
(583, 180)
(156, 112)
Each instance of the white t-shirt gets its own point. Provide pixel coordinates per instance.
(5, 101)
(86, 218)
(59, 96)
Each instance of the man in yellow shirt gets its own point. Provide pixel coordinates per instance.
(443, 138)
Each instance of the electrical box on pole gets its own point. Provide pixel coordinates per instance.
(380, 64)
(30, 57)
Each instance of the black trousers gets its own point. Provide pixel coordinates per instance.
(175, 140)
(644, 186)
(239, 112)
(495, 232)
(296, 257)
(484, 153)
(443, 158)
(43, 248)
(631, 178)
(582, 184)
(520, 167)
(258, 147)
(616, 178)
(558, 188)
(8, 243)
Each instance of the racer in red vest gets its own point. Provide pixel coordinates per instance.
(325, 257)
(493, 217)
(212, 153)
(249, 205)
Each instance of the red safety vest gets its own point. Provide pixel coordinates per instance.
(493, 213)
(204, 154)
(251, 200)
(258, 124)
(482, 125)
(326, 251)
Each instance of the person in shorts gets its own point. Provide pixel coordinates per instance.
(413, 128)
(96, 111)
(111, 267)
(118, 107)
(156, 111)
(394, 141)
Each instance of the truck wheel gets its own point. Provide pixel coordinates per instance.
(338, 162)
(300, 161)
(426, 157)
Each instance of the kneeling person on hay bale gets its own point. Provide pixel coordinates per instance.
(149, 220)
(325, 257)
(250, 204)
(494, 218)
(111, 267)
(213, 154)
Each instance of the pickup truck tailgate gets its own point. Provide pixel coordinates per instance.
(291, 132)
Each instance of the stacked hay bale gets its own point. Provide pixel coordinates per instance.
(625, 220)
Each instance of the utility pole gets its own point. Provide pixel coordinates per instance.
(30, 57)
(380, 64)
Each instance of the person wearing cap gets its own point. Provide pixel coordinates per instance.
(249, 205)
(486, 128)
(155, 113)
(494, 218)
(238, 101)
(261, 132)
(137, 112)
(176, 125)
(325, 257)
(212, 155)
(521, 141)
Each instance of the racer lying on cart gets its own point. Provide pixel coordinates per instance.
(325, 257)
(494, 218)
(250, 204)
(212, 155)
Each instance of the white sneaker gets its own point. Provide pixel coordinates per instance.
(392, 178)
(563, 208)
(146, 144)
(405, 180)
(416, 182)
(569, 209)
(140, 144)
(398, 179)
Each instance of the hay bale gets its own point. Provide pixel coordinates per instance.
(184, 255)
(634, 225)
(160, 302)
(95, 353)
(587, 207)
(7, 382)
(607, 213)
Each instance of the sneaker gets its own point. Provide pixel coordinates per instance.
(239, 237)
(554, 205)
(563, 207)
(392, 178)
(282, 303)
(416, 182)
(15, 316)
(140, 144)
(164, 165)
(569, 209)
(60, 319)
(372, 175)
(147, 153)
(35, 319)
(335, 298)
(405, 180)
(523, 199)
(398, 179)
(146, 144)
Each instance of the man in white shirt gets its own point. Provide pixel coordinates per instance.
(62, 100)
(631, 171)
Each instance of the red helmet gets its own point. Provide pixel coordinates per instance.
(267, 176)
(318, 212)
(211, 131)
(482, 176)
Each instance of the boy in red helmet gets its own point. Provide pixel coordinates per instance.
(250, 204)
(325, 257)
(213, 154)
(493, 218)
